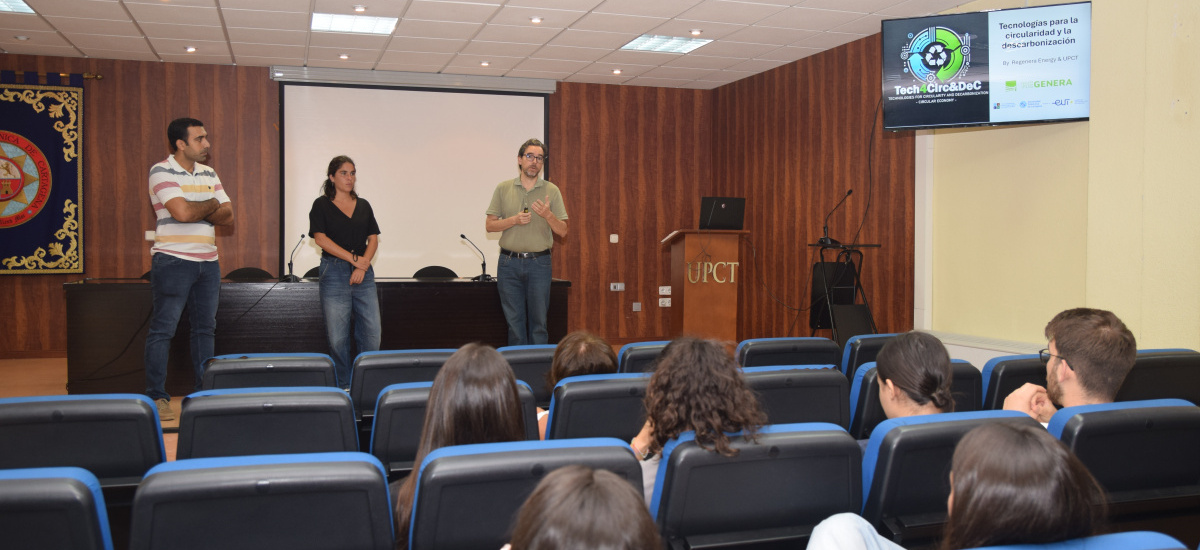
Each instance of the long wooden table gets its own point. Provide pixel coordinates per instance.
(107, 320)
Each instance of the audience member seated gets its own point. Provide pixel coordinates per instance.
(697, 386)
(578, 507)
(1009, 484)
(578, 353)
(914, 376)
(473, 400)
(1089, 354)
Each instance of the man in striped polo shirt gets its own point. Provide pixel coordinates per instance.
(188, 202)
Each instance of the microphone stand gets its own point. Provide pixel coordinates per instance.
(290, 277)
(825, 240)
(483, 276)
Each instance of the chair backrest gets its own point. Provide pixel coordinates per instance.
(805, 393)
(435, 272)
(116, 437)
(906, 467)
(1138, 450)
(530, 365)
(53, 509)
(764, 352)
(312, 500)
(468, 495)
(1163, 374)
(775, 490)
(314, 273)
(400, 418)
(598, 405)
(639, 356)
(862, 349)
(261, 421)
(1131, 540)
(375, 370)
(1002, 375)
(249, 274)
(259, 370)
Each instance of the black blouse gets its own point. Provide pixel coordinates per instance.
(349, 233)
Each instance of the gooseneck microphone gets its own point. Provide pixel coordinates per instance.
(483, 276)
(291, 278)
(825, 240)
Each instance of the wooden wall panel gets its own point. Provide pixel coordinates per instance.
(793, 140)
(125, 119)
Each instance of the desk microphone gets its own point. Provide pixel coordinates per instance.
(483, 276)
(290, 278)
(825, 240)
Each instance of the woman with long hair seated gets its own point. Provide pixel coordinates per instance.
(581, 508)
(914, 376)
(473, 400)
(577, 354)
(1009, 484)
(696, 386)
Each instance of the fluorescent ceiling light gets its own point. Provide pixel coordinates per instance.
(15, 6)
(664, 44)
(362, 24)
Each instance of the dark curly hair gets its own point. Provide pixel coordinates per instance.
(698, 386)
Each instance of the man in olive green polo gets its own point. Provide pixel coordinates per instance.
(529, 212)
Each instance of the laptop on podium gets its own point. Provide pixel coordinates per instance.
(722, 213)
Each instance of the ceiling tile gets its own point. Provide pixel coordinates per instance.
(266, 50)
(676, 73)
(757, 65)
(809, 19)
(433, 45)
(183, 32)
(598, 78)
(259, 19)
(617, 23)
(188, 3)
(179, 15)
(171, 46)
(578, 5)
(828, 40)
(378, 8)
(436, 29)
(404, 67)
(552, 65)
(25, 48)
(733, 49)
(867, 24)
(726, 76)
(651, 59)
(24, 22)
(36, 39)
(190, 58)
(917, 8)
(769, 35)
(416, 58)
(71, 25)
(146, 55)
(627, 71)
(356, 56)
(345, 40)
(722, 11)
(267, 5)
(709, 30)
(90, 9)
(507, 49)
(551, 18)
(570, 53)
(528, 34)
(267, 36)
(433, 10)
(253, 61)
(495, 64)
(653, 8)
(591, 39)
(340, 64)
(548, 75)
(789, 53)
(656, 82)
(862, 6)
(704, 62)
(104, 42)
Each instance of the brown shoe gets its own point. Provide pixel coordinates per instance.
(165, 414)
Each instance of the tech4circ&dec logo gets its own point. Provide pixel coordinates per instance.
(937, 55)
(24, 180)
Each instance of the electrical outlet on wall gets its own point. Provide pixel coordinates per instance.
(664, 302)
(616, 287)
(664, 290)
(637, 306)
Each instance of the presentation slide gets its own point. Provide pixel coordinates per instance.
(427, 160)
(1006, 66)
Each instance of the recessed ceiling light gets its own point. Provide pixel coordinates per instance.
(535, 20)
(360, 8)
(190, 49)
(15, 6)
(343, 57)
(484, 63)
(616, 71)
(664, 44)
(696, 32)
(22, 38)
(361, 24)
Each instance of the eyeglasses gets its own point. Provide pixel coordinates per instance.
(1045, 356)
(533, 157)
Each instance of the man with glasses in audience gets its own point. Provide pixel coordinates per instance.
(1090, 353)
(529, 212)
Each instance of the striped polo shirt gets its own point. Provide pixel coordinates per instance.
(196, 241)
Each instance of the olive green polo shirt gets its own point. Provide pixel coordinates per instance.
(511, 198)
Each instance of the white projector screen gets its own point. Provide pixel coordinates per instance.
(427, 161)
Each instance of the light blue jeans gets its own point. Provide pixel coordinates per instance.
(524, 286)
(348, 307)
(175, 283)
(848, 532)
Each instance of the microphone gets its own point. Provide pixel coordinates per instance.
(825, 240)
(483, 277)
(290, 278)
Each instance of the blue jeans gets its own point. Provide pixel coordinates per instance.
(343, 304)
(174, 283)
(524, 285)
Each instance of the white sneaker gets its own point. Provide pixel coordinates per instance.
(165, 414)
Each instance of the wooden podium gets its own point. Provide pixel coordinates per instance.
(706, 279)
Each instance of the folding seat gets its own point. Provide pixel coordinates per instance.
(375, 370)
(862, 349)
(254, 370)
(260, 421)
(1146, 454)
(866, 412)
(772, 492)
(639, 356)
(906, 469)
(400, 418)
(300, 501)
(598, 405)
(52, 509)
(1163, 374)
(764, 352)
(1002, 375)
(468, 495)
(804, 393)
(1132, 540)
(530, 365)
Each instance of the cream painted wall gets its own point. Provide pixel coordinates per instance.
(1031, 220)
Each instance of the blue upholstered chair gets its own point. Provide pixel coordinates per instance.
(375, 370)
(258, 421)
(764, 352)
(598, 405)
(862, 349)
(1133, 540)
(530, 365)
(1163, 374)
(801, 393)
(639, 356)
(252, 370)
(866, 411)
(52, 509)
(1002, 375)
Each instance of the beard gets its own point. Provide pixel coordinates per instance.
(1053, 390)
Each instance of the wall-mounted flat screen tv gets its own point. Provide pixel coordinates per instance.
(998, 67)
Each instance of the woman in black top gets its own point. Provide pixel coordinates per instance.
(344, 226)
